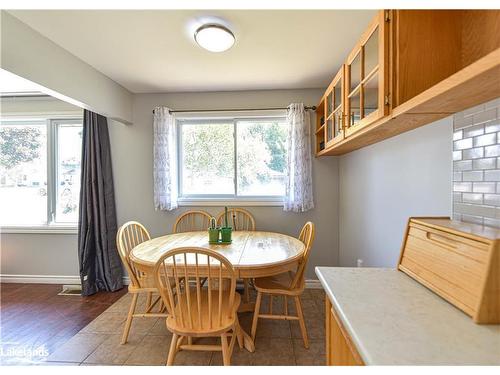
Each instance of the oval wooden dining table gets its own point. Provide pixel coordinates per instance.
(252, 254)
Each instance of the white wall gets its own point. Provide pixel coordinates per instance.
(30, 55)
(384, 184)
(133, 169)
(131, 147)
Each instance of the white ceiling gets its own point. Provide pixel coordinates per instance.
(153, 51)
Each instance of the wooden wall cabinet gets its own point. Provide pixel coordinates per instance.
(340, 350)
(366, 83)
(330, 118)
(413, 67)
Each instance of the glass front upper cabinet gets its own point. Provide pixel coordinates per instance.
(335, 109)
(367, 78)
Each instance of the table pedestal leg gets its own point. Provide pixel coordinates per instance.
(248, 343)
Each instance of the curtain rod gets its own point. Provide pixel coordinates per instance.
(237, 109)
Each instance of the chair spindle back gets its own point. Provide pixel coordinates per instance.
(130, 235)
(238, 218)
(179, 276)
(191, 221)
(307, 237)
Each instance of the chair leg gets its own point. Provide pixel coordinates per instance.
(302, 324)
(149, 298)
(130, 316)
(238, 332)
(226, 355)
(173, 350)
(256, 314)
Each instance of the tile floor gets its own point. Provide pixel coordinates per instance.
(277, 342)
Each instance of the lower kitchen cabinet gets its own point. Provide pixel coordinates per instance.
(340, 350)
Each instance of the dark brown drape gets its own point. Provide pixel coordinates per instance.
(100, 264)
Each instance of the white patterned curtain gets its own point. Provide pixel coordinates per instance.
(299, 192)
(164, 159)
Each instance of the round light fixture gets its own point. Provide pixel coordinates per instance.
(214, 37)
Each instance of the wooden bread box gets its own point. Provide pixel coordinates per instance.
(458, 261)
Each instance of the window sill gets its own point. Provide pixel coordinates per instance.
(42, 229)
(229, 202)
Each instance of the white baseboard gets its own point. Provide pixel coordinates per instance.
(45, 279)
(75, 280)
(313, 284)
(40, 279)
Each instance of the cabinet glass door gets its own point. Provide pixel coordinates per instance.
(365, 77)
(337, 117)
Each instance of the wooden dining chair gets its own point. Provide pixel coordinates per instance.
(194, 220)
(239, 219)
(197, 310)
(130, 235)
(290, 284)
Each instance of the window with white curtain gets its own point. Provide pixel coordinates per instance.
(40, 172)
(241, 159)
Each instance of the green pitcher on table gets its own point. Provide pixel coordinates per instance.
(213, 231)
(226, 230)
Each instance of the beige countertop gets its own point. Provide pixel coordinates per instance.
(394, 320)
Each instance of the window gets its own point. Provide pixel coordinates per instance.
(241, 159)
(40, 172)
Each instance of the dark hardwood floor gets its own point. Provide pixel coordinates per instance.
(34, 320)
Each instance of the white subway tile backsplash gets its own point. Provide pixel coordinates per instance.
(472, 131)
(492, 199)
(472, 198)
(473, 153)
(493, 175)
(462, 165)
(473, 110)
(459, 135)
(462, 144)
(475, 210)
(485, 116)
(492, 126)
(476, 164)
(491, 222)
(462, 122)
(472, 219)
(457, 155)
(491, 150)
(481, 187)
(472, 176)
(487, 163)
(466, 187)
(485, 140)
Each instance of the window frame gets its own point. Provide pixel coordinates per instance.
(52, 123)
(222, 199)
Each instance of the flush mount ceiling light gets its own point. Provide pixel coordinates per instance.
(214, 37)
